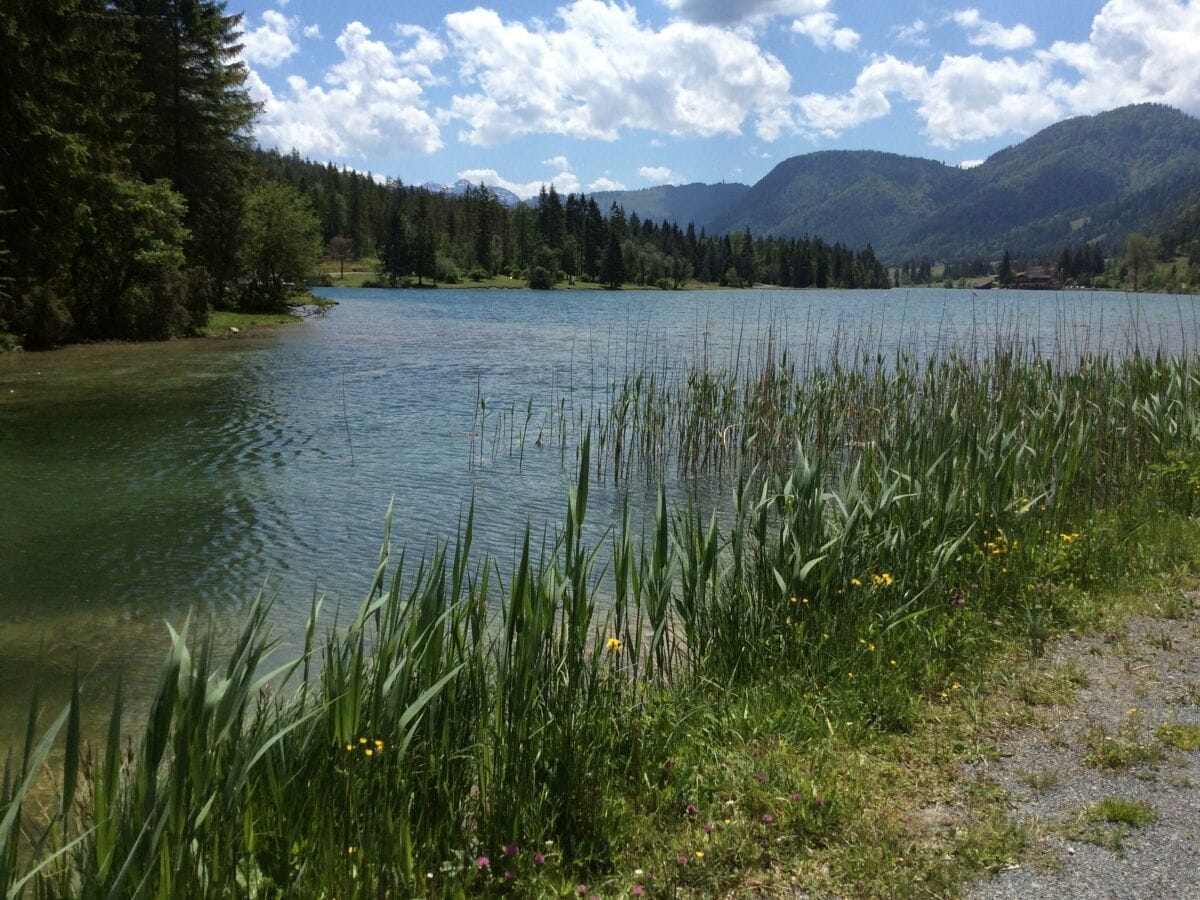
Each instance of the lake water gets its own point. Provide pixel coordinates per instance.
(142, 483)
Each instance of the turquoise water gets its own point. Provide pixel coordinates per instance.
(142, 483)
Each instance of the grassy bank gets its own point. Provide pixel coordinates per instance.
(777, 692)
(220, 321)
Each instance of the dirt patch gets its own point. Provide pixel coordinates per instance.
(1108, 785)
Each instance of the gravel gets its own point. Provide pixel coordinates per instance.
(1133, 681)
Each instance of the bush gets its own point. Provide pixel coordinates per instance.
(540, 279)
(447, 270)
(478, 273)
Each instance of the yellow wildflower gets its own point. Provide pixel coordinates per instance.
(854, 582)
(805, 600)
(378, 744)
(369, 752)
(613, 644)
(794, 600)
(362, 740)
(891, 662)
(699, 854)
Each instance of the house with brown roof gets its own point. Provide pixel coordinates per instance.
(1036, 278)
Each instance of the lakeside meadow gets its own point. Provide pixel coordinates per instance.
(728, 689)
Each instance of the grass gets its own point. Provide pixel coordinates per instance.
(220, 321)
(363, 271)
(1121, 811)
(1122, 749)
(1179, 735)
(1108, 822)
(778, 694)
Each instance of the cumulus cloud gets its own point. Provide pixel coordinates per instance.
(732, 12)
(557, 162)
(822, 28)
(426, 50)
(971, 163)
(312, 31)
(601, 71)
(658, 174)
(1138, 51)
(564, 182)
(604, 183)
(983, 32)
(271, 43)
(371, 101)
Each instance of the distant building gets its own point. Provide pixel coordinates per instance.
(1036, 278)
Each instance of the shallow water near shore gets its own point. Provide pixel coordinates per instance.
(144, 483)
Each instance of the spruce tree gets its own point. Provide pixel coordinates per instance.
(612, 272)
(193, 128)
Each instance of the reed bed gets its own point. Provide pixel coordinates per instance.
(486, 729)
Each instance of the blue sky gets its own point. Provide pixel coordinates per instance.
(594, 95)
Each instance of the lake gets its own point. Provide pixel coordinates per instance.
(141, 483)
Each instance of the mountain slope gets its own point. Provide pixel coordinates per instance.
(1088, 178)
(856, 197)
(698, 203)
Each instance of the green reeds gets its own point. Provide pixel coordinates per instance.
(888, 517)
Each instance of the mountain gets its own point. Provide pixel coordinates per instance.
(460, 187)
(698, 203)
(857, 197)
(1091, 178)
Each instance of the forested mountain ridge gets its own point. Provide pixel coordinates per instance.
(421, 236)
(1090, 178)
(861, 196)
(683, 203)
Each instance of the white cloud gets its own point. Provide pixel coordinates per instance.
(732, 12)
(914, 33)
(983, 32)
(426, 50)
(659, 174)
(822, 28)
(371, 102)
(604, 183)
(829, 116)
(1138, 51)
(971, 163)
(602, 71)
(271, 43)
(564, 182)
(557, 162)
(312, 31)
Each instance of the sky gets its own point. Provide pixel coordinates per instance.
(593, 95)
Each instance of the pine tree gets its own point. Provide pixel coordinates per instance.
(194, 127)
(395, 258)
(612, 272)
(1005, 275)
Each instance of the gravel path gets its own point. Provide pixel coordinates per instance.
(1110, 743)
